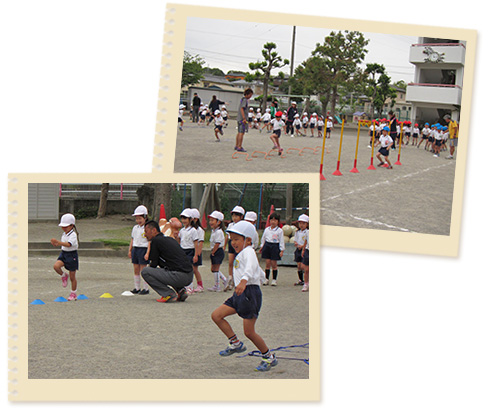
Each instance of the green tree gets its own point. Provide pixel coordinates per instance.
(263, 69)
(378, 87)
(192, 69)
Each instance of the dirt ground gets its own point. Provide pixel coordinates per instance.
(137, 338)
(413, 197)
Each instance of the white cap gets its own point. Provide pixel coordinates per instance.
(250, 216)
(304, 218)
(238, 210)
(140, 210)
(267, 110)
(181, 106)
(314, 113)
(217, 112)
(243, 228)
(293, 102)
(67, 220)
(195, 213)
(258, 109)
(187, 212)
(296, 116)
(216, 215)
(251, 109)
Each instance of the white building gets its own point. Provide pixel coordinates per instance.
(438, 84)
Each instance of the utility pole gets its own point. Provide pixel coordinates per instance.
(289, 203)
(291, 66)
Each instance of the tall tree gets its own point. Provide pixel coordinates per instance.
(378, 87)
(341, 52)
(263, 69)
(104, 193)
(192, 69)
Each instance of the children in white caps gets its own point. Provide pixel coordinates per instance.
(247, 298)
(252, 218)
(272, 247)
(300, 243)
(297, 125)
(68, 258)
(138, 248)
(237, 215)
(218, 124)
(217, 241)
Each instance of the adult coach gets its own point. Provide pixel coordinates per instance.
(453, 135)
(242, 119)
(170, 270)
(291, 112)
(196, 103)
(393, 132)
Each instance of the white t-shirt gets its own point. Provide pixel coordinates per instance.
(313, 121)
(275, 235)
(321, 123)
(426, 131)
(72, 238)
(305, 120)
(330, 124)
(187, 237)
(437, 135)
(224, 113)
(139, 238)
(385, 140)
(246, 266)
(296, 122)
(217, 236)
(181, 113)
(300, 237)
(277, 124)
(218, 121)
(266, 117)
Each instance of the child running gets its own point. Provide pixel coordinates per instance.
(217, 241)
(297, 125)
(247, 298)
(68, 257)
(272, 247)
(218, 124)
(237, 214)
(300, 243)
(386, 142)
(277, 125)
(138, 248)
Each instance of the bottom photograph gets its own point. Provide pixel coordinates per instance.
(189, 280)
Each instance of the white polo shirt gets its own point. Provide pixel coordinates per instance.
(275, 235)
(300, 237)
(217, 236)
(139, 238)
(70, 237)
(187, 237)
(385, 140)
(246, 266)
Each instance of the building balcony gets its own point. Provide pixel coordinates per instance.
(437, 53)
(441, 94)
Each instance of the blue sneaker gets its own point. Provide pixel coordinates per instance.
(266, 364)
(230, 349)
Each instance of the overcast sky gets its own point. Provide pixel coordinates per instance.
(231, 45)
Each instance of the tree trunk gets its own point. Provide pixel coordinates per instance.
(104, 192)
(162, 195)
(266, 89)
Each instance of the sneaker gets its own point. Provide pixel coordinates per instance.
(144, 292)
(73, 296)
(306, 287)
(266, 282)
(241, 149)
(199, 289)
(167, 299)
(231, 349)
(230, 285)
(381, 164)
(266, 364)
(449, 157)
(274, 282)
(64, 280)
(135, 291)
(299, 283)
(215, 288)
(182, 295)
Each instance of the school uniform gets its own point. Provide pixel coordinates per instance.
(313, 122)
(297, 123)
(406, 131)
(438, 138)
(277, 126)
(187, 237)
(329, 126)
(218, 124)
(305, 121)
(224, 115)
(300, 238)
(320, 125)
(385, 141)
(246, 266)
(306, 256)
(69, 254)
(266, 118)
(181, 113)
(425, 133)
(416, 132)
(140, 245)
(217, 236)
(200, 238)
(272, 243)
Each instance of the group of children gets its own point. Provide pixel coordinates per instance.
(245, 273)
(435, 136)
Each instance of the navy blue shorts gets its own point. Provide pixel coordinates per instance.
(271, 251)
(231, 249)
(248, 304)
(138, 256)
(384, 151)
(277, 133)
(297, 255)
(199, 260)
(306, 258)
(217, 258)
(69, 259)
(190, 252)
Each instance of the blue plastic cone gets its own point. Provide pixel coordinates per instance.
(60, 299)
(82, 297)
(37, 302)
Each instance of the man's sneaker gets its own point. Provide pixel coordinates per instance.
(231, 349)
(274, 282)
(144, 292)
(167, 299)
(73, 296)
(306, 288)
(215, 288)
(266, 364)
(135, 291)
(64, 280)
(266, 282)
(182, 295)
